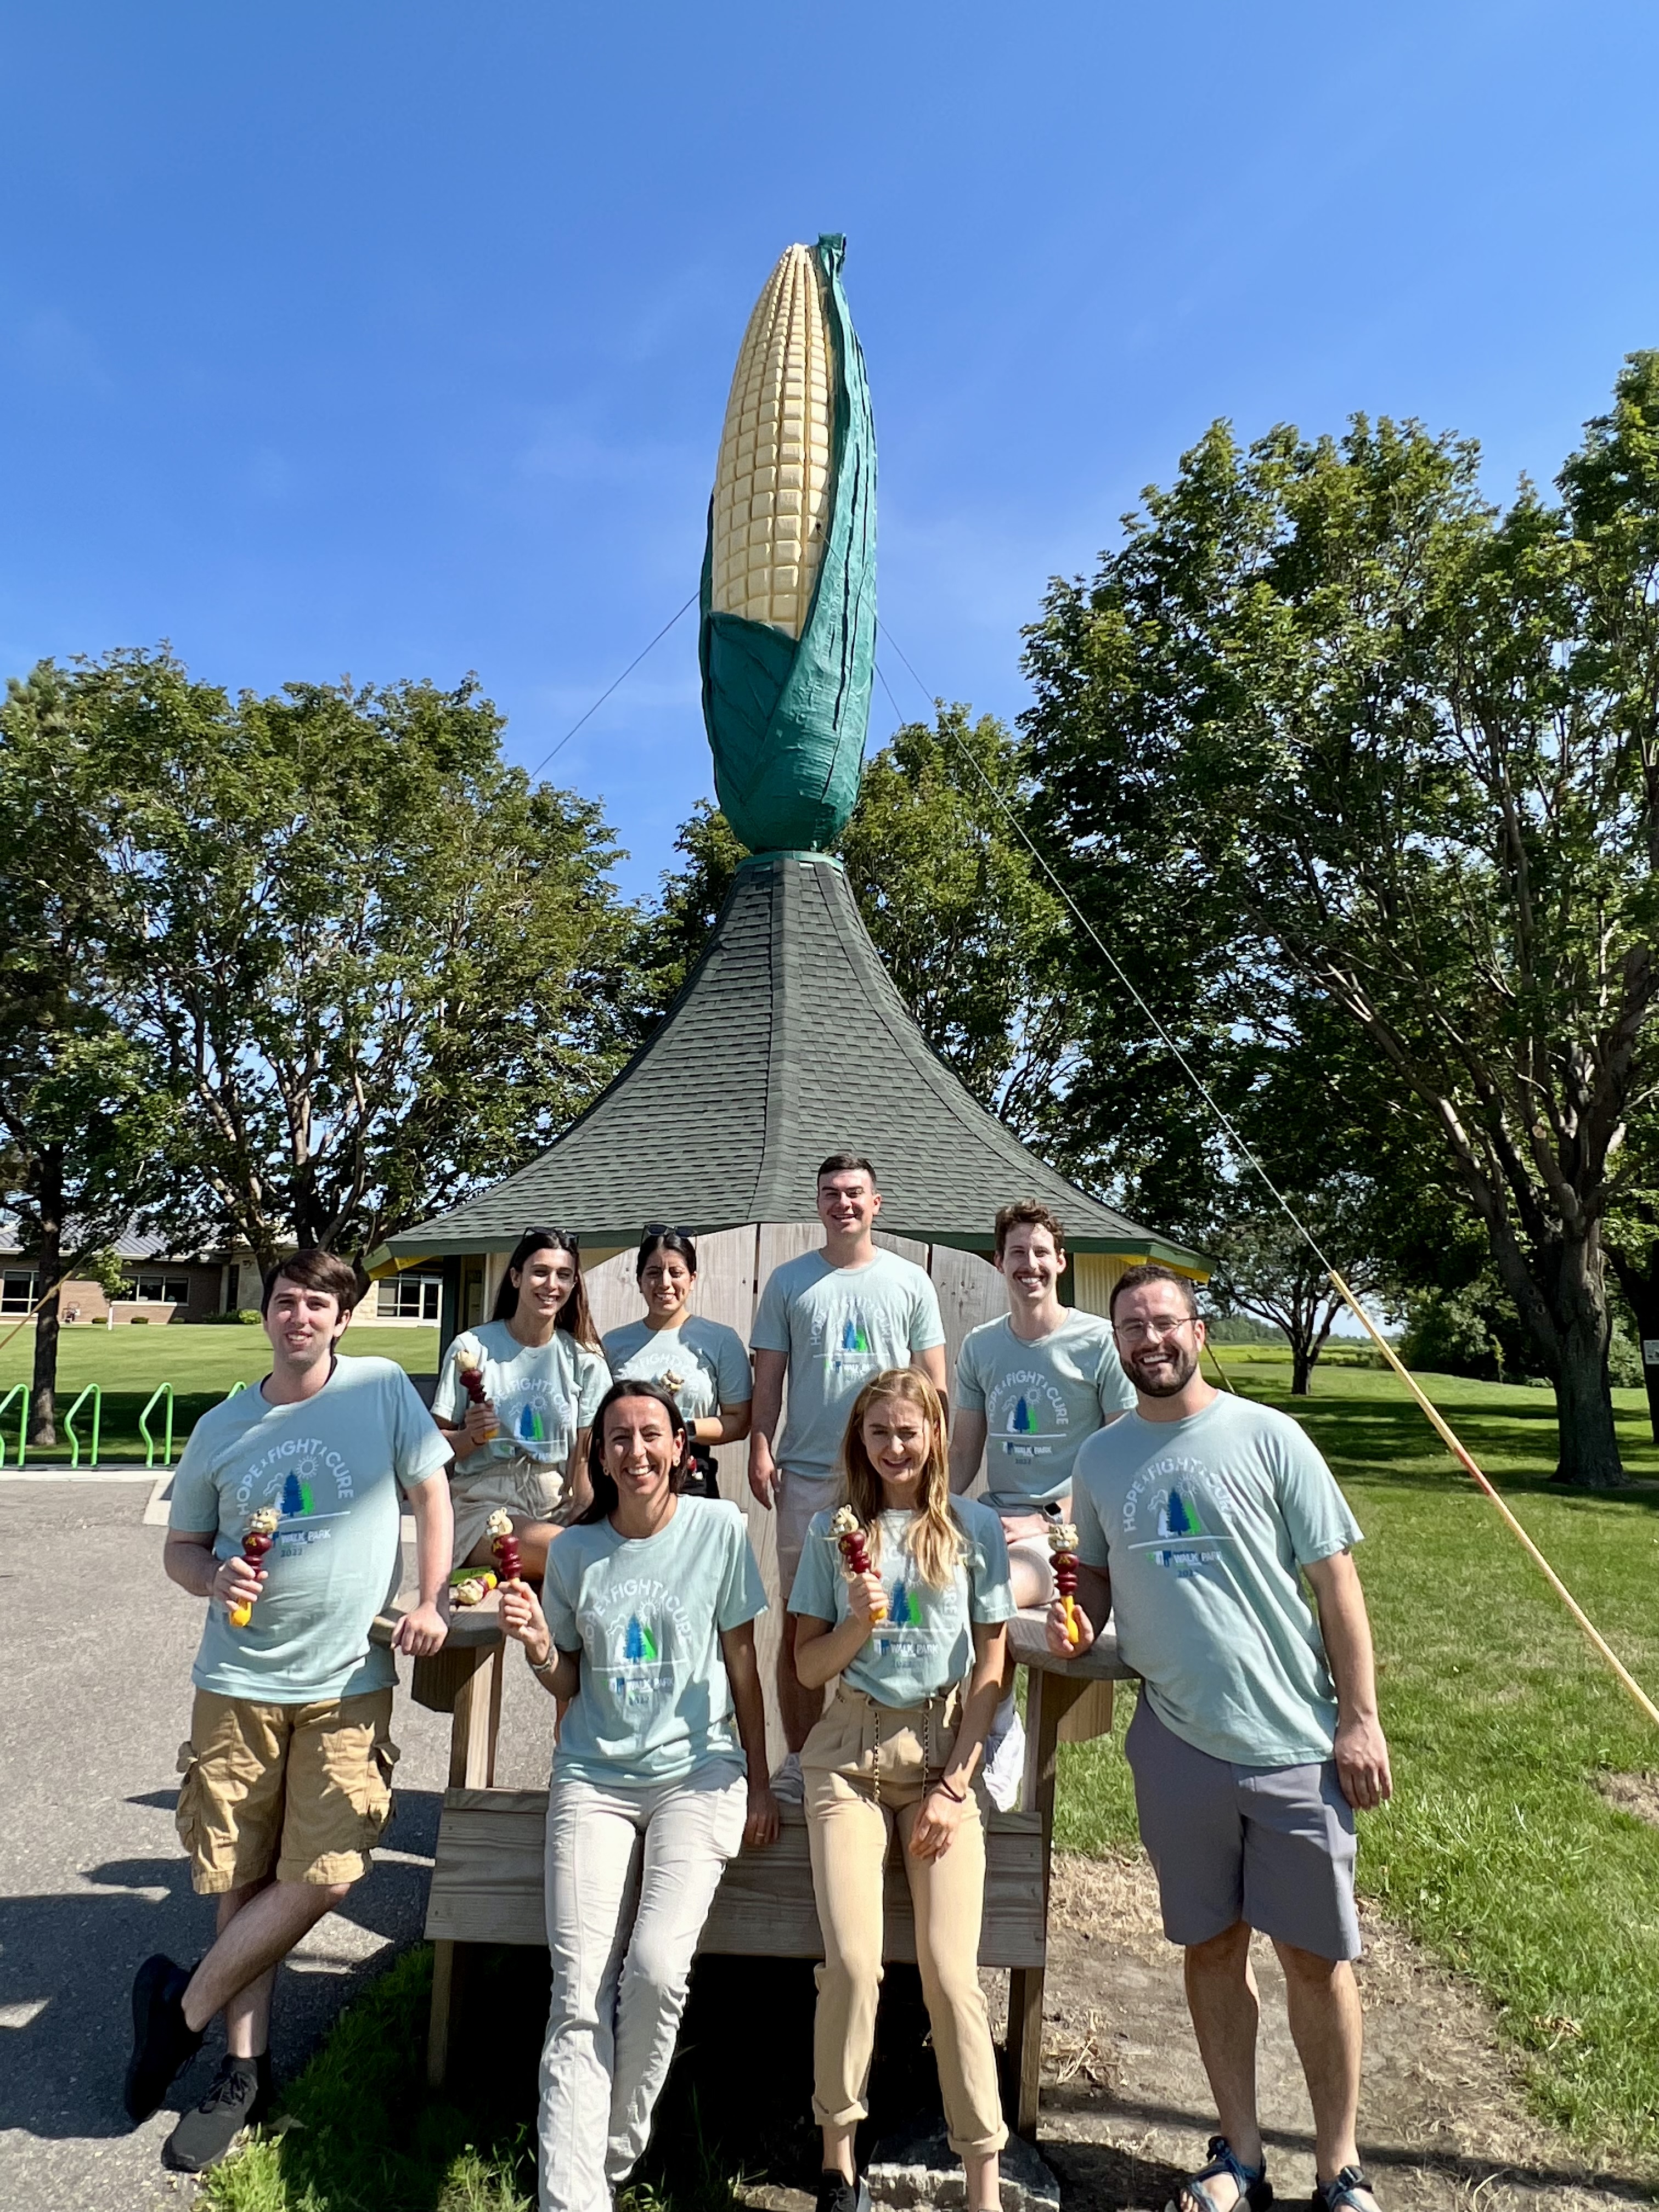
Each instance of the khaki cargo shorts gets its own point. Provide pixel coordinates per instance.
(299, 1791)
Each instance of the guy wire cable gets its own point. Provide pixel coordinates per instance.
(1603, 1649)
(610, 688)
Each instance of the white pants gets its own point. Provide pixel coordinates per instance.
(631, 1873)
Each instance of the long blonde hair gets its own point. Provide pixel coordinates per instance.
(934, 1539)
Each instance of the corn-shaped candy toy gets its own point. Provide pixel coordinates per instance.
(469, 1371)
(854, 1549)
(1062, 1546)
(257, 1537)
(787, 636)
(505, 1545)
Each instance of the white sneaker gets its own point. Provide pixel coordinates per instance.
(1005, 1765)
(789, 1784)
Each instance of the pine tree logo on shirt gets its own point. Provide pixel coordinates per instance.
(854, 1343)
(532, 1427)
(638, 1642)
(905, 1610)
(1022, 1423)
(1186, 1542)
(1180, 1517)
(296, 1499)
(905, 1630)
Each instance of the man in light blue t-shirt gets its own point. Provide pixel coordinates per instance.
(287, 1770)
(1031, 1386)
(1200, 1519)
(827, 1324)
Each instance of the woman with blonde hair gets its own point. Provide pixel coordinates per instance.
(904, 1594)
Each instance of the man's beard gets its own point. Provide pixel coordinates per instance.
(1174, 1379)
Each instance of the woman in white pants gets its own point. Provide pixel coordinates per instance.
(659, 1776)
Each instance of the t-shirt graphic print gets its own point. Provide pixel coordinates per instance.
(1040, 1401)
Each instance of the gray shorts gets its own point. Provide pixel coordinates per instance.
(1270, 1845)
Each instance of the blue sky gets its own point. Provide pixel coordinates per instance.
(394, 340)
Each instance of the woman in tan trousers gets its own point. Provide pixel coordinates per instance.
(903, 1595)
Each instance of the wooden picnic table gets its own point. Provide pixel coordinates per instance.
(487, 1878)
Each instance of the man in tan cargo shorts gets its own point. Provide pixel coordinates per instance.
(287, 1773)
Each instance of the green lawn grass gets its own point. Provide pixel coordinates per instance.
(201, 1361)
(1498, 1854)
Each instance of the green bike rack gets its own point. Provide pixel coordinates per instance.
(96, 1392)
(161, 1390)
(17, 1390)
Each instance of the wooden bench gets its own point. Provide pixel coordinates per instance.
(487, 1876)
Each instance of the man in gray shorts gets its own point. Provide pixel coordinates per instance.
(1255, 1734)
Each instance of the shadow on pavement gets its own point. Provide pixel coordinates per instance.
(74, 1956)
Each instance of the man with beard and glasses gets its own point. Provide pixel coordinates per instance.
(1200, 1519)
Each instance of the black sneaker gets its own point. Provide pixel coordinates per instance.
(837, 2194)
(240, 2096)
(161, 2044)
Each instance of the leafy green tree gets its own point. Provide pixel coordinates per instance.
(379, 967)
(1356, 733)
(969, 932)
(84, 1112)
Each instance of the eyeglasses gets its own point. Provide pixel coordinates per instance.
(1152, 1331)
(666, 1229)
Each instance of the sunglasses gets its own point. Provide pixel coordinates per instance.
(665, 1229)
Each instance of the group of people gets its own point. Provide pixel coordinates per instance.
(1209, 1531)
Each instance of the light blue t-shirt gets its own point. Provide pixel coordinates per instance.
(646, 1614)
(702, 1364)
(333, 1468)
(1202, 1525)
(1040, 1401)
(839, 1326)
(542, 1394)
(926, 1644)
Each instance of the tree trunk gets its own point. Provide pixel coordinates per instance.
(43, 1388)
(1583, 1396)
(1562, 1296)
(1301, 1366)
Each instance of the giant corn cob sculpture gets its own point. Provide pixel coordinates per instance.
(258, 1538)
(854, 1548)
(788, 640)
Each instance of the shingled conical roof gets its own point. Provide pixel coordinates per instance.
(787, 1042)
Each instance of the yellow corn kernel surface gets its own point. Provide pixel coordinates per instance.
(772, 487)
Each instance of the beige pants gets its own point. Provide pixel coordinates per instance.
(867, 1768)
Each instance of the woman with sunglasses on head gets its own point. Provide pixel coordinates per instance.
(702, 1364)
(521, 1446)
(903, 1594)
(659, 1776)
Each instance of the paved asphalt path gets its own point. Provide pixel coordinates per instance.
(95, 1648)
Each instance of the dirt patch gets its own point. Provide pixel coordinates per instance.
(1633, 1793)
(1443, 2121)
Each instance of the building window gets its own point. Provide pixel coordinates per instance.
(160, 1289)
(408, 1297)
(16, 1292)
